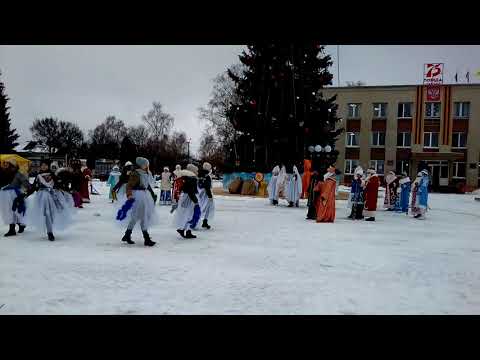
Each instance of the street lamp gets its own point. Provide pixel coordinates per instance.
(188, 149)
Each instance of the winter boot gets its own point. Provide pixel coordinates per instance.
(51, 237)
(21, 228)
(128, 237)
(418, 216)
(359, 212)
(181, 232)
(275, 202)
(205, 224)
(11, 230)
(297, 204)
(148, 241)
(189, 235)
(371, 218)
(352, 213)
(290, 204)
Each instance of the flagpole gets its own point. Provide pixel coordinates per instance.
(338, 65)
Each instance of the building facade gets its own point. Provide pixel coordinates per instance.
(404, 128)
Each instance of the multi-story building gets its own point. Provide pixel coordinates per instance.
(402, 128)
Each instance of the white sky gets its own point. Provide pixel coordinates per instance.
(85, 84)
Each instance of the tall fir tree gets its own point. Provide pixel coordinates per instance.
(8, 136)
(282, 115)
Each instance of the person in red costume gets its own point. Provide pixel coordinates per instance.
(84, 183)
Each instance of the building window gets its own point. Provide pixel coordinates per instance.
(378, 138)
(352, 139)
(378, 165)
(432, 109)
(405, 110)
(350, 166)
(430, 139)
(404, 139)
(459, 140)
(403, 166)
(354, 111)
(379, 110)
(459, 170)
(462, 109)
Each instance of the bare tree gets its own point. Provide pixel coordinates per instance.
(139, 135)
(106, 138)
(211, 149)
(158, 122)
(46, 132)
(215, 112)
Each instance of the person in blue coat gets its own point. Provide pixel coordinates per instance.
(112, 181)
(420, 195)
(404, 198)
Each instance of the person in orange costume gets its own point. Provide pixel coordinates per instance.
(326, 199)
(307, 174)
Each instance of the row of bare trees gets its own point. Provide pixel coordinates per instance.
(112, 139)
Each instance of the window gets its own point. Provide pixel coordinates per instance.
(430, 139)
(352, 139)
(459, 170)
(404, 139)
(354, 111)
(403, 166)
(350, 166)
(462, 109)
(432, 109)
(378, 138)
(379, 110)
(378, 165)
(405, 110)
(459, 140)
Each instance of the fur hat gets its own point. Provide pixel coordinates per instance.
(424, 172)
(141, 161)
(166, 168)
(128, 163)
(193, 169)
(116, 168)
(207, 166)
(178, 167)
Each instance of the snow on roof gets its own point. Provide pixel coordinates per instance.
(31, 146)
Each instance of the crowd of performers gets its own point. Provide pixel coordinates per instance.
(48, 204)
(401, 195)
(188, 191)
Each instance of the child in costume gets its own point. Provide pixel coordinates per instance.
(113, 180)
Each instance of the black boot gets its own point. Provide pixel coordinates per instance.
(181, 232)
(352, 213)
(189, 235)
(297, 204)
(21, 228)
(205, 224)
(359, 212)
(290, 204)
(417, 216)
(148, 241)
(371, 218)
(51, 237)
(275, 202)
(128, 237)
(11, 230)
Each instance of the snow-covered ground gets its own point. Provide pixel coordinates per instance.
(257, 259)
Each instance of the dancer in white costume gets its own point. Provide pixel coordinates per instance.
(272, 186)
(12, 203)
(166, 187)
(50, 209)
(188, 212)
(294, 188)
(140, 204)
(205, 196)
(281, 183)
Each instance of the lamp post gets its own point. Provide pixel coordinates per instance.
(188, 149)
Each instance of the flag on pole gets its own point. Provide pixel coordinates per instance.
(467, 75)
(456, 77)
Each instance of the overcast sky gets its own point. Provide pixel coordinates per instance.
(85, 84)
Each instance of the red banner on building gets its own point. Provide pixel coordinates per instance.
(433, 93)
(433, 74)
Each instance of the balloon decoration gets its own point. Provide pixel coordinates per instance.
(318, 148)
